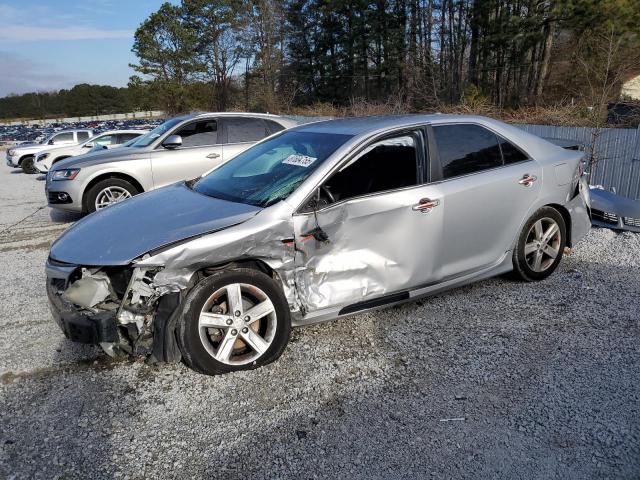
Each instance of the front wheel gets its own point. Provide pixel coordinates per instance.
(108, 192)
(540, 245)
(234, 320)
(28, 165)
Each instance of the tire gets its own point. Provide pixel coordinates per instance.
(533, 258)
(203, 349)
(28, 165)
(114, 184)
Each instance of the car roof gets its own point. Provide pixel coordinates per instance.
(366, 125)
(111, 132)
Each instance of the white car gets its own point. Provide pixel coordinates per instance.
(18, 154)
(45, 159)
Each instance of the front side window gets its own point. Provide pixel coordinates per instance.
(82, 136)
(270, 171)
(465, 149)
(199, 134)
(243, 130)
(104, 140)
(149, 137)
(63, 137)
(385, 165)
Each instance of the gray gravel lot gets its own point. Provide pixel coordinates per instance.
(496, 380)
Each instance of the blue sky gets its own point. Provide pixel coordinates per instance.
(48, 45)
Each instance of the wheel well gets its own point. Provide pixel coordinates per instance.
(23, 157)
(121, 176)
(253, 264)
(567, 220)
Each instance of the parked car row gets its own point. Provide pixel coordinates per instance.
(313, 222)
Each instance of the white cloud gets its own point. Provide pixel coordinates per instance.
(18, 33)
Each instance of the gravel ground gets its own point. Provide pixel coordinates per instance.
(496, 380)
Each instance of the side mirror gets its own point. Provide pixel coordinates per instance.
(172, 141)
(88, 145)
(51, 142)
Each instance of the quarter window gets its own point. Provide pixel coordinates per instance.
(385, 165)
(465, 149)
(511, 153)
(199, 134)
(243, 130)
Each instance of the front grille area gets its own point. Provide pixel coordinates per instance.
(59, 197)
(604, 217)
(632, 222)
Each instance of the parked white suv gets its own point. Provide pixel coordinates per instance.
(18, 154)
(45, 159)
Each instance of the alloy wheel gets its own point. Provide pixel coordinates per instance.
(237, 324)
(542, 246)
(110, 195)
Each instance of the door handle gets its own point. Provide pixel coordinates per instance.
(425, 205)
(213, 155)
(527, 180)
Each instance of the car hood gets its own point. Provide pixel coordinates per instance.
(125, 231)
(606, 201)
(29, 146)
(101, 156)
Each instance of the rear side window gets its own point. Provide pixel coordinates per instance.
(385, 165)
(199, 134)
(243, 130)
(82, 136)
(465, 149)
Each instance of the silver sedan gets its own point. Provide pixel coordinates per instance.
(318, 222)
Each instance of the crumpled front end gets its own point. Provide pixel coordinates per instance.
(135, 308)
(113, 307)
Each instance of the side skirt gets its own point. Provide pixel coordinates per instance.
(504, 265)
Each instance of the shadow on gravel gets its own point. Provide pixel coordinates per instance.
(41, 178)
(56, 422)
(62, 216)
(19, 170)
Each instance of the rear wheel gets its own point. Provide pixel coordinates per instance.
(108, 192)
(234, 320)
(540, 245)
(28, 165)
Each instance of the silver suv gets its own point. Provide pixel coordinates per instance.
(18, 154)
(181, 148)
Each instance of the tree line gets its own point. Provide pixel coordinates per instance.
(274, 55)
(81, 100)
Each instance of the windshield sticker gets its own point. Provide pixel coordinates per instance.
(299, 160)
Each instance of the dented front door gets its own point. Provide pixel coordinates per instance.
(377, 245)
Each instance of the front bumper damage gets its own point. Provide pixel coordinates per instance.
(119, 309)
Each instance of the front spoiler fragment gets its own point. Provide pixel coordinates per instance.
(82, 327)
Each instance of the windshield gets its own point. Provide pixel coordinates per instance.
(272, 170)
(146, 139)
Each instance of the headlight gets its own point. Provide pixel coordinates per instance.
(12, 152)
(42, 156)
(66, 174)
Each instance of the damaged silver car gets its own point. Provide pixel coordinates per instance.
(318, 222)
